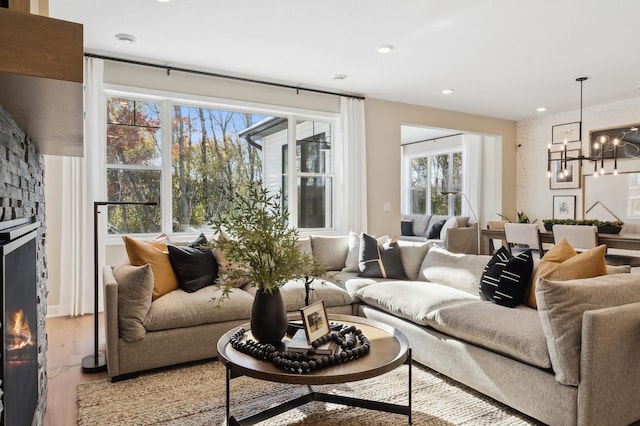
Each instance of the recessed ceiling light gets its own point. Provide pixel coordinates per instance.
(385, 48)
(339, 77)
(447, 91)
(164, 1)
(541, 109)
(126, 38)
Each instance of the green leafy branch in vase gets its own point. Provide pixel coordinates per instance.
(262, 249)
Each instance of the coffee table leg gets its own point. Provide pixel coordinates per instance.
(410, 362)
(228, 406)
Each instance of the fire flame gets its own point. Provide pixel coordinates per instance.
(19, 329)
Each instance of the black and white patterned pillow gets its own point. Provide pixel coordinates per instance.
(378, 261)
(505, 278)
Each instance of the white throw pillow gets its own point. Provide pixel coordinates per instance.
(452, 222)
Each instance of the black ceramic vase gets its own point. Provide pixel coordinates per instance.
(268, 317)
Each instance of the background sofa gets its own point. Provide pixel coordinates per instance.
(506, 353)
(457, 235)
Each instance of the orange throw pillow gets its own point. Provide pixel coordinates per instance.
(141, 253)
(563, 263)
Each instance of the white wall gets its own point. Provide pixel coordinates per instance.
(533, 194)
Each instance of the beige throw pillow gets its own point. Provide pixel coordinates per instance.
(135, 286)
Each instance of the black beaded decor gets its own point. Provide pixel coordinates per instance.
(353, 345)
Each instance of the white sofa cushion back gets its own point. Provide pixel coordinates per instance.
(459, 271)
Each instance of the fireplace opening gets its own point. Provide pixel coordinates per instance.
(19, 325)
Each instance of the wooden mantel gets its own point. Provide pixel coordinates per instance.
(41, 77)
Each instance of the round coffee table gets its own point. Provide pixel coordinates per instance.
(389, 349)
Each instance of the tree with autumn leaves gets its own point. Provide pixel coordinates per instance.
(206, 155)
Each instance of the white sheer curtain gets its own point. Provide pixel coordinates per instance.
(80, 184)
(354, 164)
(472, 176)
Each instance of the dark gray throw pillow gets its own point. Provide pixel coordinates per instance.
(506, 278)
(378, 261)
(194, 268)
(406, 227)
(434, 232)
(200, 241)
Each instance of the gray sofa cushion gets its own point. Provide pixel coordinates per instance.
(420, 223)
(515, 332)
(412, 255)
(411, 300)
(561, 305)
(181, 309)
(330, 251)
(454, 270)
(135, 285)
(293, 294)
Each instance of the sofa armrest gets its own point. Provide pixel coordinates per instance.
(609, 369)
(110, 287)
(463, 240)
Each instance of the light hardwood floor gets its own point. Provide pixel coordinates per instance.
(70, 339)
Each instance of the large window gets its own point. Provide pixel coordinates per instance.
(430, 178)
(134, 164)
(312, 173)
(183, 156)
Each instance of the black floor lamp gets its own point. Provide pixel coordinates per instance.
(98, 361)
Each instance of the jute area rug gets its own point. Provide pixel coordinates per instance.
(195, 395)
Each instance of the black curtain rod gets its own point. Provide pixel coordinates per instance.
(169, 68)
(432, 139)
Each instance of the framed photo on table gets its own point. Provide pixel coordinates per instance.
(564, 207)
(315, 321)
(558, 179)
(568, 132)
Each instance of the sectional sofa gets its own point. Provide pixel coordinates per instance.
(518, 356)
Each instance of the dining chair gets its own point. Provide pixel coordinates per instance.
(581, 237)
(527, 234)
(495, 224)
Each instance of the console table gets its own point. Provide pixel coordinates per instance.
(620, 241)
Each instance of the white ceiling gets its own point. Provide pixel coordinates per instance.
(503, 58)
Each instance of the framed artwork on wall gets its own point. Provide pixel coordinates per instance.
(560, 180)
(628, 142)
(568, 132)
(564, 207)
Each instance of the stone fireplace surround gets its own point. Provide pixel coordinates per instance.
(22, 196)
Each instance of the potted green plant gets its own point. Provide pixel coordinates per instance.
(522, 218)
(604, 227)
(267, 251)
